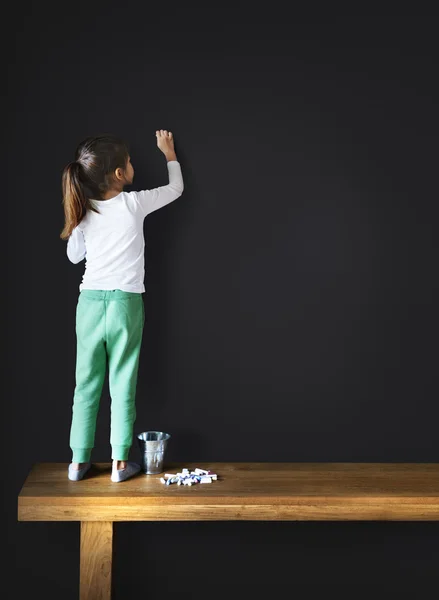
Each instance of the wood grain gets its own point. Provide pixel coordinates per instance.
(96, 557)
(243, 491)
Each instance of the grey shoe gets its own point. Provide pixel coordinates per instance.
(131, 469)
(77, 475)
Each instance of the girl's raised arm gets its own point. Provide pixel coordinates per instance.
(151, 200)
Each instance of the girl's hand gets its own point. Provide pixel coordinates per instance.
(165, 142)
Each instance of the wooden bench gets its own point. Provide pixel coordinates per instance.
(251, 491)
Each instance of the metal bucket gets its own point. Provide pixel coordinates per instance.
(152, 445)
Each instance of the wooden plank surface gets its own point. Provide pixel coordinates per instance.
(243, 491)
(96, 560)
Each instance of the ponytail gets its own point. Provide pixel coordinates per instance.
(74, 200)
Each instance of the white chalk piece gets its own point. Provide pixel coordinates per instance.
(189, 478)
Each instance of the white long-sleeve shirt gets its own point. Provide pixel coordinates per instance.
(113, 243)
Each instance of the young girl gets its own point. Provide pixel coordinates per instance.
(104, 225)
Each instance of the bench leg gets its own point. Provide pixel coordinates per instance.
(96, 556)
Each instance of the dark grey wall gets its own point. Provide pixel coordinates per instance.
(292, 290)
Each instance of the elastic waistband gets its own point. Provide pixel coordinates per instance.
(108, 294)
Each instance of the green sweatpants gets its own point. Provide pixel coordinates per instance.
(109, 325)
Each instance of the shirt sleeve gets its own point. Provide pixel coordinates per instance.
(76, 249)
(151, 200)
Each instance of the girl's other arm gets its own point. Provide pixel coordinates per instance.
(76, 249)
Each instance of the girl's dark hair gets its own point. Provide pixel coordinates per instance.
(89, 176)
